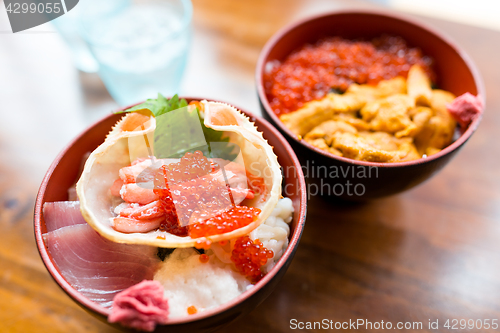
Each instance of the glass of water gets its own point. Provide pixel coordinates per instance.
(141, 47)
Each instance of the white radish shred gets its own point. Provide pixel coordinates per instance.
(274, 232)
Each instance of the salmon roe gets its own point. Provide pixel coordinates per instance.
(190, 167)
(186, 178)
(335, 63)
(237, 217)
(203, 258)
(249, 256)
(192, 310)
(170, 224)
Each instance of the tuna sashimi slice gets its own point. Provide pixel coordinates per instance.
(96, 267)
(62, 214)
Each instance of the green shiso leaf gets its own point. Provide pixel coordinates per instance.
(179, 132)
(159, 106)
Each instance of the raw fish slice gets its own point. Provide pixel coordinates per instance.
(62, 214)
(97, 267)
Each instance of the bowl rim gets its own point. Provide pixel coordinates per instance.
(269, 46)
(99, 309)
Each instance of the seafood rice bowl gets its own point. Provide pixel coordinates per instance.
(178, 211)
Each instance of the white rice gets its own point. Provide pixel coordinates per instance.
(188, 282)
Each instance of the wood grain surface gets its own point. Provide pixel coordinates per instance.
(432, 253)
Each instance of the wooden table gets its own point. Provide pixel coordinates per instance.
(432, 253)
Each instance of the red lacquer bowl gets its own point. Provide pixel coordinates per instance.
(64, 171)
(455, 71)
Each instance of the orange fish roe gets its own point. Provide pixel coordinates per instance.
(190, 166)
(197, 194)
(170, 224)
(203, 258)
(249, 256)
(310, 72)
(237, 217)
(192, 310)
(223, 242)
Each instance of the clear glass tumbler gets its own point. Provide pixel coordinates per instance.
(67, 26)
(141, 47)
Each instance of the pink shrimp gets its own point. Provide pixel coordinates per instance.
(240, 194)
(129, 225)
(149, 211)
(116, 187)
(129, 174)
(137, 194)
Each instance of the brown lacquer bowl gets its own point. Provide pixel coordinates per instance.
(328, 174)
(64, 171)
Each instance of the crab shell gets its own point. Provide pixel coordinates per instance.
(126, 142)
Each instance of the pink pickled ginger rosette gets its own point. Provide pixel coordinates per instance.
(141, 306)
(465, 108)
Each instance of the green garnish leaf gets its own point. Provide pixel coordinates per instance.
(159, 105)
(179, 132)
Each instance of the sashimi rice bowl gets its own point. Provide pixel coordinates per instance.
(177, 217)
